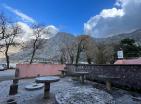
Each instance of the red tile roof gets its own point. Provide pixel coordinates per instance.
(129, 61)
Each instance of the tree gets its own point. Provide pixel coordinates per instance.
(63, 56)
(3, 23)
(130, 48)
(67, 49)
(80, 46)
(90, 49)
(8, 33)
(38, 31)
(71, 53)
(87, 47)
(104, 54)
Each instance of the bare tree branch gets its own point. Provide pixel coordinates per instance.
(37, 42)
(8, 33)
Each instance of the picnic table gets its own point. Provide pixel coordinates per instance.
(82, 75)
(63, 72)
(47, 80)
(108, 80)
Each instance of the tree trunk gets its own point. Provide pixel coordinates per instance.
(77, 57)
(71, 59)
(61, 60)
(7, 61)
(78, 53)
(7, 57)
(32, 57)
(89, 60)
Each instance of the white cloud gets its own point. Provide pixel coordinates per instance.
(27, 32)
(107, 13)
(23, 16)
(50, 31)
(123, 17)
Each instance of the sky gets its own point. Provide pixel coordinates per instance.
(67, 15)
(98, 18)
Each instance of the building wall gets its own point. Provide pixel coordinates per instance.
(130, 75)
(29, 70)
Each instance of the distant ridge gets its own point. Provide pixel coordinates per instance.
(51, 47)
(136, 35)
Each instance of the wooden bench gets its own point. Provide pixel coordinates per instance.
(82, 75)
(63, 72)
(14, 87)
(108, 80)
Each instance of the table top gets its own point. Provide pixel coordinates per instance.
(34, 86)
(108, 77)
(81, 73)
(48, 79)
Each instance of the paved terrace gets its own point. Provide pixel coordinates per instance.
(68, 91)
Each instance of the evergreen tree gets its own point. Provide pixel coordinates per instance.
(130, 48)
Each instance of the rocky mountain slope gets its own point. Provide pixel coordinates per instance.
(51, 47)
(136, 35)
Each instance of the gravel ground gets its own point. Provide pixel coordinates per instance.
(68, 91)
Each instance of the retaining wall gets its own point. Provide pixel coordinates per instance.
(130, 75)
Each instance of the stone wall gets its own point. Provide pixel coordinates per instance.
(130, 75)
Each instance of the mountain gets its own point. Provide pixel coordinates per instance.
(51, 47)
(49, 50)
(136, 35)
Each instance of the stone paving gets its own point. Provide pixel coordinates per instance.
(68, 91)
